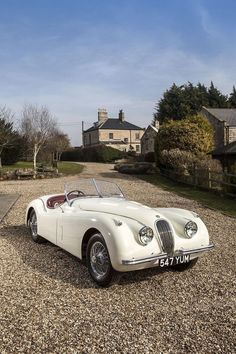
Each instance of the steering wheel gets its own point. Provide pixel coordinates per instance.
(77, 192)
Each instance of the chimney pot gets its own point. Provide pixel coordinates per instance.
(121, 115)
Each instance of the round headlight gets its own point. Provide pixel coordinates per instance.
(190, 229)
(145, 235)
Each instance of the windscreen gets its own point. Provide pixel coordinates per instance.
(93, 188)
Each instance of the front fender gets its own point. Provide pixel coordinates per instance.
(121, 237)
(38, 206)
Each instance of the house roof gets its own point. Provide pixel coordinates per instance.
(115, 124)
(150, 127)
(229, 149)
(223, 114)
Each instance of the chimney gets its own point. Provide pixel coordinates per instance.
(121, 115)
(102, 115)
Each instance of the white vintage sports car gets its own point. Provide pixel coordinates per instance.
(93, 221)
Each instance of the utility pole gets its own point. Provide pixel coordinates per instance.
(83, 133)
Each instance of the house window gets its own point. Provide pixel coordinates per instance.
(110, 135)
(90, 139)
(137, 137)
(137, 148)
(126, 140)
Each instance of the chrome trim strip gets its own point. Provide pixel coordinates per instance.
(143, 260)
(196, 250)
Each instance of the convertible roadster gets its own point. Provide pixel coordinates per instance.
(93, 221)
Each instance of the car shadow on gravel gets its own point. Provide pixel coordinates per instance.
(53, 262)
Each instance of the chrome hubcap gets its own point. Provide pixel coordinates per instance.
(33, 225)
(99, 260)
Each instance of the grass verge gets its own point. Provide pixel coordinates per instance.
(67, 168)
(209, 199)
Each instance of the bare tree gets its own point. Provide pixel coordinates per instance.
(7, 133)
(57, 143)
(37, 126)
(60, 143)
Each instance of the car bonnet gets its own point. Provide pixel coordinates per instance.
(117, 206)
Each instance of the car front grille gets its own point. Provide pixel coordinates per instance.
(166, 236)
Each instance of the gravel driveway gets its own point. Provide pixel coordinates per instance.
(48, 304)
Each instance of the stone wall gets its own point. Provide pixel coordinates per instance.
(231, 134)
(219, 128)
(91, 138)
(122, 139)
(148, 141)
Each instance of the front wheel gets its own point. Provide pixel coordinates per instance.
(184, 266)
(98, 261)
(33, 225)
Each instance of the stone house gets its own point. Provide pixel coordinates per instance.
(226, 155)
(148, 138)
(114, 132)
(223, 121)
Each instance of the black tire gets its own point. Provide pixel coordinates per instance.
(184, 266)
(32, 223)
(98, 261)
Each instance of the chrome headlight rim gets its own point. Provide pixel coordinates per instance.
(190, 229)
(146, 235)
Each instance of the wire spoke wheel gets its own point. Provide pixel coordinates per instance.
(99, 260)
(33, 225)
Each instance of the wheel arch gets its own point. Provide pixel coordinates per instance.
(28, 214)
(88, 234)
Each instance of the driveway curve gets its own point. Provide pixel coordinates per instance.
(50, 305)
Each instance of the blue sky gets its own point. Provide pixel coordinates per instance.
(76, 56)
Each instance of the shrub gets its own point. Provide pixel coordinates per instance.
(177, 160)
(189, 168)
(99, 153)
(193, 134)
(207, 167)
(135, 168)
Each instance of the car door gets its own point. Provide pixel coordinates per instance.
(69, 230)
(48, 224)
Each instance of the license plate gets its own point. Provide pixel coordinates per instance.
(170, 261)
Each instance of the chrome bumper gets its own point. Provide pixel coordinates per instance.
(195, 250)
(144, 260)
(163, 255)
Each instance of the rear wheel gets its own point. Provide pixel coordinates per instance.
(184, 266)
(33, 225)
(98, 261)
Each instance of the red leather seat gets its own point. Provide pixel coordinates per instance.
(56, 199)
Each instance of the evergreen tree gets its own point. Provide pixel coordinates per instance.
(180, 102)
(232, 98)
(173, 105)
(216, 98)
(202, 95)
(9, 138)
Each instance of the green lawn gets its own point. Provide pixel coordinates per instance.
(70, 168)
(209, 199)
(67, 168)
